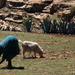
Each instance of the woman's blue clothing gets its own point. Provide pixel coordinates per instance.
(9, 47)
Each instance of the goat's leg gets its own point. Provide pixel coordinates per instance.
(29, 54)
(23, 54)
(41, 55)
(35, 54)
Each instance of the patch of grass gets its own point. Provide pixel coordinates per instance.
(59, 58)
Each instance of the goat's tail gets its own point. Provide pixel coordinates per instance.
(20, 41)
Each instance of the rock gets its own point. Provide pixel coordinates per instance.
(39, 16)
(14, 28)
(36, 6)
(39, 1)
(17, 17)
(18, 29)
(6, 27)
(30, 5)
(16, 3)
(59, 14)
(3, 15)
(67, 17)
(46, 9)
(11, 28)
(12, 17)
(12, 20)
(57, 1)
(47, 2)
(66, 12)
(53, 8)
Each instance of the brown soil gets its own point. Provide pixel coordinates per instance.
(58, 35)
(63, 35)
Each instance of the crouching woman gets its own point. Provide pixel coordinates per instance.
(9, 48)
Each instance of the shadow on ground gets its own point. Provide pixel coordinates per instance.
(20, 68)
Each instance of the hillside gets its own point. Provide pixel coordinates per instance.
(16, 11)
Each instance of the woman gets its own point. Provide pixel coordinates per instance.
(9, 48)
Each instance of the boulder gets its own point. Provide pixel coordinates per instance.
(16, 3)
(47, 2)
(14, 28)
(39, 16)
(6, 27)
(12, 20)
(29, 5)
(67, 17)
(53, 8)
(3, 15)
(16, 17)
(36, 7)
(39, 1)
(18, 29)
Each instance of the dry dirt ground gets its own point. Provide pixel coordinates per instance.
(58, 35)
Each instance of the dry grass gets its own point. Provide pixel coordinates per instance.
(59, 58)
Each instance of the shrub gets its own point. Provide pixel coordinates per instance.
(27, 23)
(45, 25)
(54, 26)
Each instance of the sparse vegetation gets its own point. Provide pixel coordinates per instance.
(27, 23)
(59, 58)
(45, 25)
(62, 27)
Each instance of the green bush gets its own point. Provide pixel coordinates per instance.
(62, 27)
(27, 23)
(54, 26)
(45, 25)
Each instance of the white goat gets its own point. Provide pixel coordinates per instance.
(29, 46)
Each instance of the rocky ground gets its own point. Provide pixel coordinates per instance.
(17, 10)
